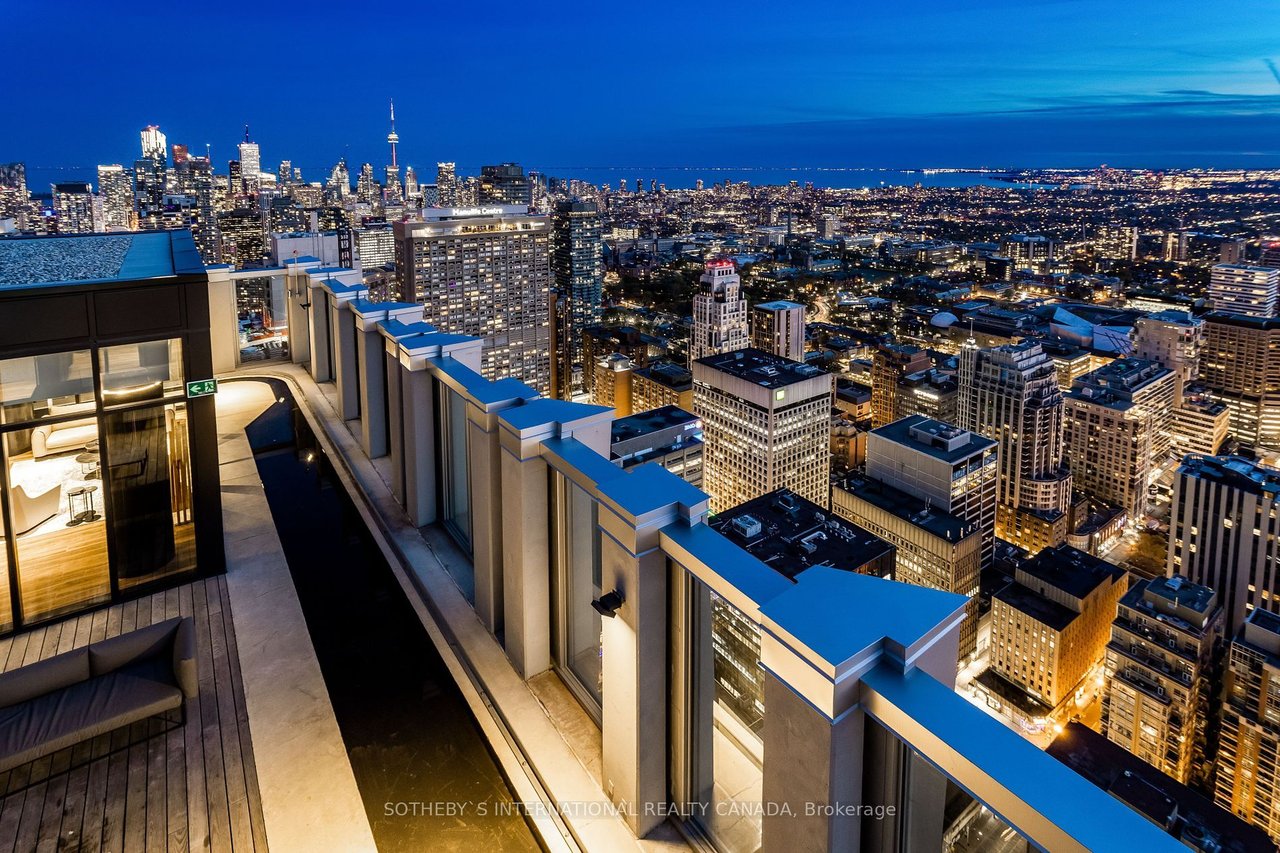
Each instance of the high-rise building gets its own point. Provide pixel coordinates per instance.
(1116, 431)
(670, 436)
(250, 165)
(578, 265)
(115, 186)
(376, 244)
(1117, 242)
(447, 184)
(766, 422)
(1155, 701)
(73, 207)
(890, 363)
(778, 327)
(339, 183)
(1240, 368)
(1248, 766)
(1010, 394)
(1174, 339)
(950, 468)
(505, 184)
(484, 274)
(1269, 253)
(661, 384)
(1200, 425)
(154, 145)
(1224, 534)
(935, 548)
(719, 312)
(612, 383)
(367, 190)
(1051, 625)
(1242, 289)
(244, 237)
(1028, 248)
(205, 229)
(601, 341)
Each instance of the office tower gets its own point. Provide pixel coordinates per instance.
(1010, 394)
(244, 237)
(412, 189)
(504, 184)
(601, 341)
(447, 184)
(719, 312)
(154, 145)
(1050, 626)
(208, 238)
(1117, 242)
(284, 173)
(486, 275)
(394, 191)
(1248, 765)
(661, 384)
(778, 327)
(73, 207)
(367, 190)
(766, 422)
(578, 266)
(1028, 248)
(14, 197)
(339, 183)
(1116, 431)
(612, 383)
(115, 186)
(1240, 368)
(1158, 667)
(376, 244)
(1241, 289)
(669, 435)
(889, 365)
(950, 468)
(930, 392)
(250, 165)
(1223, 532)
(935, 548)
(1174, 339)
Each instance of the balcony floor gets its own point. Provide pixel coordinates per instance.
(191, 788)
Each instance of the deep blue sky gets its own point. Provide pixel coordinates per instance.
(732, 83)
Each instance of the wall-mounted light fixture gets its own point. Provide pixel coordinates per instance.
(608, 604)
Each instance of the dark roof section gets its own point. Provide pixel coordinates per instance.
(1072, 571)
(78, 259)
(763, 368)
(791, 534)
(1185, 814)
(1039, 608)
(896, 502)
(909, 430)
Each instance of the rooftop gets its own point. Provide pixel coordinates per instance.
(778, 305)
(667, 373)
(1181, 811)
(1074, 572)
(1233, 471)
(763, 368)
(935, 438)
(1056, 616)
(1177, 592)
(96, 258)
(790, 534)
(909, 507)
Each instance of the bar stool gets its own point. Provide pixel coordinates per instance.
(75, 517)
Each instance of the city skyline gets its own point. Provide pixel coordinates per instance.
(880, 88)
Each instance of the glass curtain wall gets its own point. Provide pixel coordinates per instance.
(576, 583)
(96, 476)
(263, 318)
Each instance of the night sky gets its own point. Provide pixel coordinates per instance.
(1157, 83)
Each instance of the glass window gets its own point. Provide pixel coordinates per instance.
(577, 579)
(263, 318)
(132, 373)
(58, 518)
(457, 466)
(56, 385)
(149, 475)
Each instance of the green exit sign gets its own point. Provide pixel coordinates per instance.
(202, 388)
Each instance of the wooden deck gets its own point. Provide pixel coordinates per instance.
(193, 787)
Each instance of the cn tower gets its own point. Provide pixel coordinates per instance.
(393, 190)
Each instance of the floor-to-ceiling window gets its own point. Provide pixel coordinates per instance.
(96, 476)
(263, 318)
(455, 480)
(575, 584)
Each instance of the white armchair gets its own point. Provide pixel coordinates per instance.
(28, 511)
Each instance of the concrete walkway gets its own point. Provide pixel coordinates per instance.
(309, 796)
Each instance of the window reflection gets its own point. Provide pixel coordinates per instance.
(58, 518)
(576, 580)
(149, 475)
(133, 373)
(57, 385)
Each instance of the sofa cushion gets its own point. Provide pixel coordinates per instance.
(44, 676)
(107, 656)
(74, 434)
(58, 720)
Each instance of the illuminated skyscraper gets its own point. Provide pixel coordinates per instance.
(505, 184)
(250, 164)
(73, 207)
(1241, 289)
(488, 276)
(1010, 394)
(778, 327)
(719, 313)
(115, 186)
(154, 144)
(446, 184)
(394, 192)
(579, 277)
(367, 188)
(339, 183)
